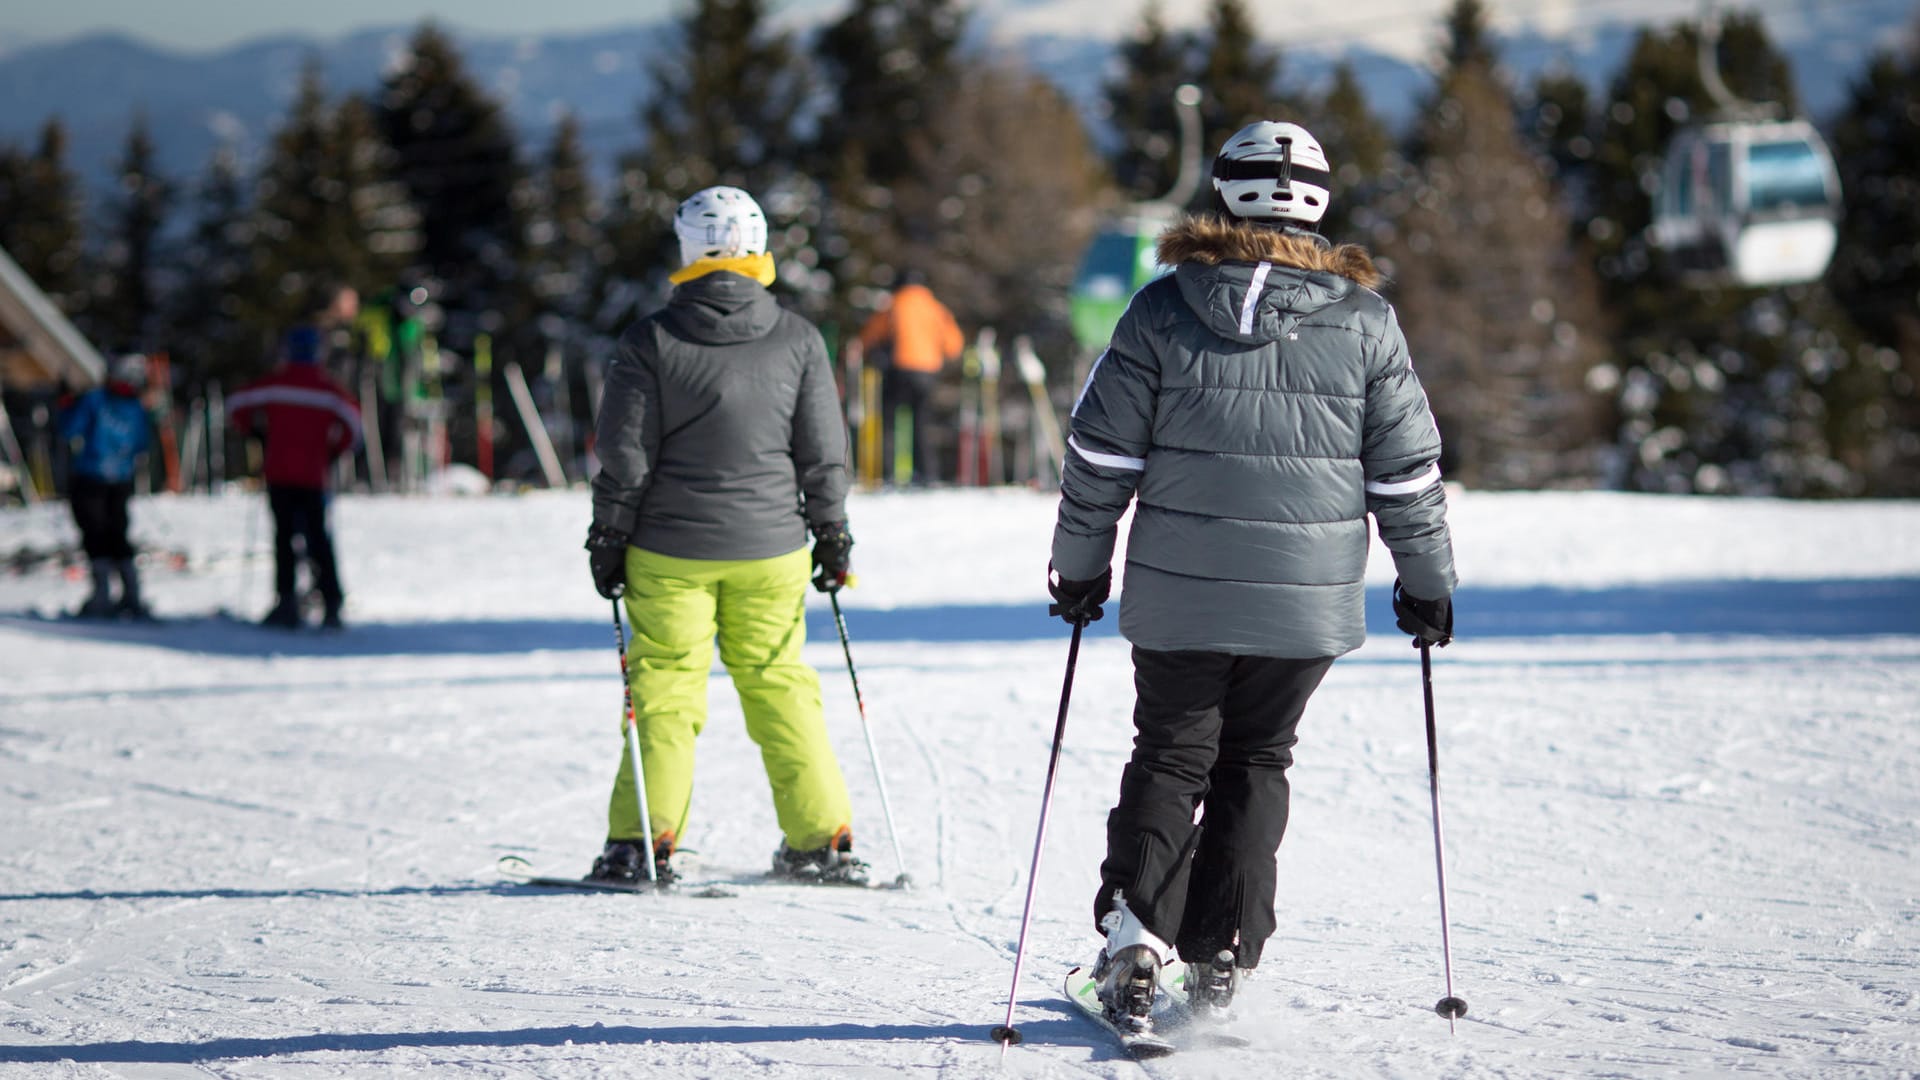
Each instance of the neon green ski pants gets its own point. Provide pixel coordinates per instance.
(755, 607)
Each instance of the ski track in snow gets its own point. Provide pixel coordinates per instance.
(1675, 848)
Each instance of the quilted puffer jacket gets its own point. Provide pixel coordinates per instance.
(1259, 402)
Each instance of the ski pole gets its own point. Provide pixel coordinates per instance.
(886, 809)
(633, 746)
(1450, 1006)
(1006, 1034)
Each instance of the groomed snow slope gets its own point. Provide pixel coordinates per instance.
(1678, 751)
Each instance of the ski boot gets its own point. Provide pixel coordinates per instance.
(284, 616)
(620, 861)
(1127, 971)
(1211, 985)
(130, 606)
(99, 605)
(833, 864)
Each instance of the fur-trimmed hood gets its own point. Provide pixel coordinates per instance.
(1251, 283)
(1210, 239)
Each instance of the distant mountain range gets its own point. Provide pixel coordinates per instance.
(195, 102)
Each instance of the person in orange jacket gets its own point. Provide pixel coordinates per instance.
(911, 340)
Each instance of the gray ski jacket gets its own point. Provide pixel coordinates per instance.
(1259, 402)
(720, 434)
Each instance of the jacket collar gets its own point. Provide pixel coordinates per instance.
(723, 308)
(758, 267)
(1211, 240)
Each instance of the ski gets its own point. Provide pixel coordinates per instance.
(522, 871)
(1138, 1045)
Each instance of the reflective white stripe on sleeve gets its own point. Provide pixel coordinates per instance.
(1252, 302)
(1088, 385)
(1406, 487)
(1111, 461)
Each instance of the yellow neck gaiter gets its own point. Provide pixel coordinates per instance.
(758, 267)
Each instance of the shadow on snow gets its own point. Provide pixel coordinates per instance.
(247, 894)
(1782, 609)
(142, 1051)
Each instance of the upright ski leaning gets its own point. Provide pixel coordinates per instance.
(1253, 407)
(702, 540)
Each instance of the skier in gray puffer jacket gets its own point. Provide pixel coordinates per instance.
(1258, 403)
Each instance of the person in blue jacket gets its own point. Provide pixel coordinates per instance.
(107, 430)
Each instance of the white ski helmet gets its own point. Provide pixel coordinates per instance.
(129, 368)
(719, 223)
(1270, 169)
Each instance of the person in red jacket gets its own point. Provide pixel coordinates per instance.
(306, 420)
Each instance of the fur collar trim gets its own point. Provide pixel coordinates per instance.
(1211, 240)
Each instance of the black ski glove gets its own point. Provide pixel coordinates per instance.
(1429, 621)
(607, 555)
(832, 555)
(1078, 602)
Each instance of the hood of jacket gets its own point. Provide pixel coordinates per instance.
(1253, 283)
(721, 308)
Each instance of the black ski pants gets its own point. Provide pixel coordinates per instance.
(913, 392)
(1213, 732)
(100, 511)
(300, 514)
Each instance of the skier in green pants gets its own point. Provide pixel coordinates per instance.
(722, 447)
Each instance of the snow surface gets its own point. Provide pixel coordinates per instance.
(1681, 788)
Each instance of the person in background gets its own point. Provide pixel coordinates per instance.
(721, 447)
(107, 429)
(306, 420)
(912, 340)
(1259, 403)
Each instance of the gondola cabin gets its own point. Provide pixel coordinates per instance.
(1118, 262)
(1751, 203)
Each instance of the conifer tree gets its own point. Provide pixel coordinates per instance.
(888, 67)
(563, 241)
(1360, 149)
(128, 288)
(1559, 121)
(1239, 79)
(888, 64)
(382, 218)
(1500, 318)
(208, 337)
(40, 208)
(1154, 62)
(726, 102)
(724, 110)
(1876, 270)
(455, 153)
(307, 230)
